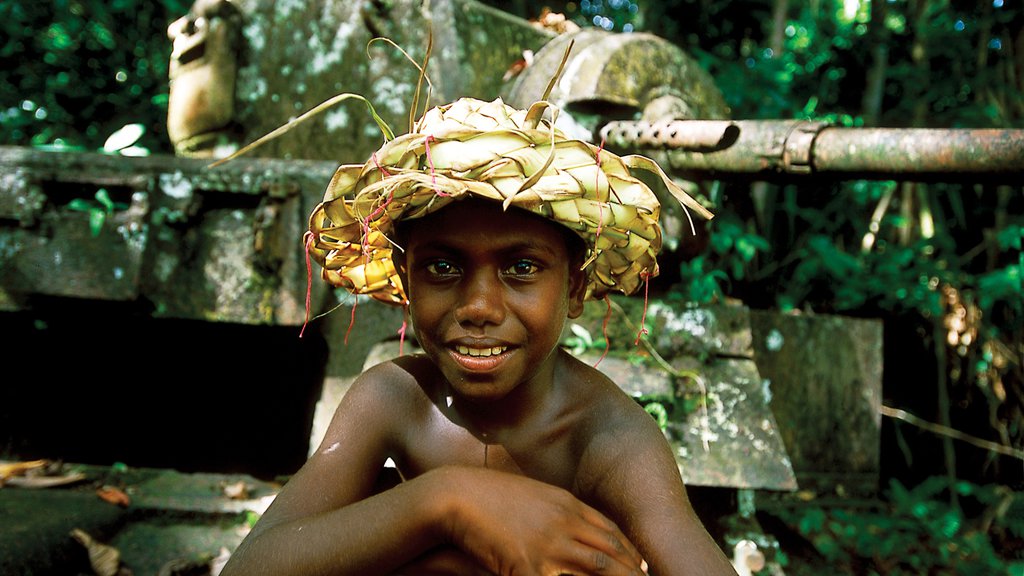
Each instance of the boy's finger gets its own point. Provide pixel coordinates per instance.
(614, 537)
(608, 542)
(588, 560)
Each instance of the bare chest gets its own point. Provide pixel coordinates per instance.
(549, 454)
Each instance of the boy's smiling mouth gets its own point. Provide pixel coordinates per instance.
(480, 352)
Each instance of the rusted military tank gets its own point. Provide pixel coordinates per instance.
(194, 247)
(605, 75)
(192, 282)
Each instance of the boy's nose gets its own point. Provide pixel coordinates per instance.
(481, 301)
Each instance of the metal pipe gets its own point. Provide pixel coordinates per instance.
(793, 147)
(920, 150)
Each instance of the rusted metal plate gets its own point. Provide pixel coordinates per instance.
(827, 402)
(219, 244)
(735, 442)
(69, 259)
(922, 150)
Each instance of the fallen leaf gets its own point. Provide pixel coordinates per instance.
(518, 66)
(12, 469)
(237, 490)
(105, 560)
(114, 496)
(46, 481)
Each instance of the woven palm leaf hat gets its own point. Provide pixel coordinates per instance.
(476, 149)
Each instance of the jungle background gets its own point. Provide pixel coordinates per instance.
(940, 263)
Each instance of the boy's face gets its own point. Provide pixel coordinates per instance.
(489, 294)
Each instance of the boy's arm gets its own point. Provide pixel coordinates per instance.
(642, 491)
(327, 521)
(324, 520)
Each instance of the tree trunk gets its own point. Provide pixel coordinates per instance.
(874, 83)
(919, 9)
(779, 13)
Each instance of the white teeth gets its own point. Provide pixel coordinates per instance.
(481, 352)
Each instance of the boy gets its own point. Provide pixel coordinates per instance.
(492, 229)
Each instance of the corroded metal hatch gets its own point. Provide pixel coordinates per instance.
(727, 435)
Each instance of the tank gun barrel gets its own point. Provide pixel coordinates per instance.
(773, 148)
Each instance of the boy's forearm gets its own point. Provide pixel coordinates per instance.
(373, 536)
(445, 560)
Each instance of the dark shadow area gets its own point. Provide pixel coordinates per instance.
(99, 383)
(911, 454)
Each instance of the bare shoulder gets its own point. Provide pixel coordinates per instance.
(629, 472)
(396, 388)
(614, 427)
(405, 376)
(610, 412)
(372, 418)
(370, 424)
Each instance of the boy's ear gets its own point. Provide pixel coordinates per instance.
(577, 291)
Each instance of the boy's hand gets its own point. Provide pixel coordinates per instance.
(515, 525)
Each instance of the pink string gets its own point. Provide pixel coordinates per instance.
(365, 222)
(597, 189)
(379, 167)
(430, 162)
(352, 319)
(401, 331)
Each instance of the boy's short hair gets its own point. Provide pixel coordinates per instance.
(472, 148)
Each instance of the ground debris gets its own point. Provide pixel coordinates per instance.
(37, 474)
(104, 559)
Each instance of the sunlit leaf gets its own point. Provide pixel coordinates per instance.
(134, 151)
(581, 333)
(96, 220)
(124, 137)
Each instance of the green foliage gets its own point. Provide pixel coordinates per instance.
(580, 341)
(874, 248)
(731, 251)
(667, 411)
(1003, 285)
(658, 411)
(901, 278)
(74, 71)
(250, 518)
(917, 532)
(617, 15)
(98, 209)
(701, 281)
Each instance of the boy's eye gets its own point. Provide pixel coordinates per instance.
(442, 268)
(522, 268)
